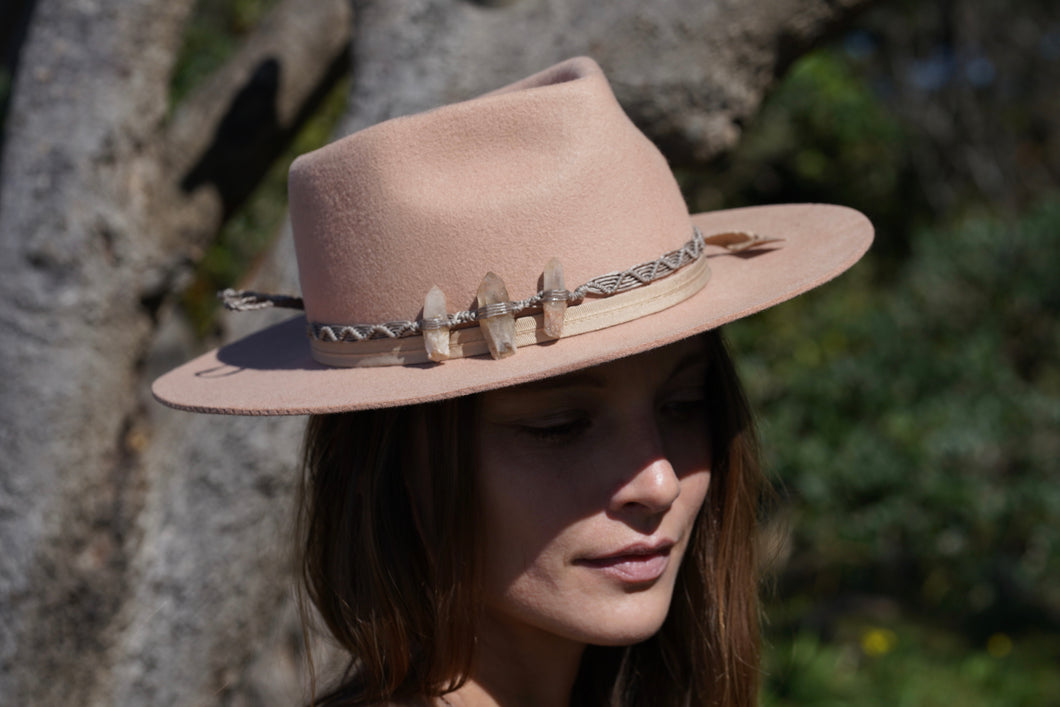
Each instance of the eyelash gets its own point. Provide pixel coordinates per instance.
(565, 431)
(569, 430)
(682, 410)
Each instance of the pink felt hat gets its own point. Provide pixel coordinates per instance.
(547, 168)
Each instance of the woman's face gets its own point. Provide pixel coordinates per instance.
(590, 484)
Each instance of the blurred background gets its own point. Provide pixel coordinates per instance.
(909, 411)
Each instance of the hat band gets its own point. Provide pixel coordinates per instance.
(590, 315)
(604, 301)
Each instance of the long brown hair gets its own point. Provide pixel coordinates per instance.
(391, 564)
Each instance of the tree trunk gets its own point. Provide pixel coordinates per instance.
(689, 72)
(121, 580)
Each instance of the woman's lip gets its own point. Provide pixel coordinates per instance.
(635, 564)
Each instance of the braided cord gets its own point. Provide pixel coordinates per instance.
(248, 301)
(603, 286)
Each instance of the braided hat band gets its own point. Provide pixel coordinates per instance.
(601, 302)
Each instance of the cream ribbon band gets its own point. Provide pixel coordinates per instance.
(592, 314)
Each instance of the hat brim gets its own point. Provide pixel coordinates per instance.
(271, 372)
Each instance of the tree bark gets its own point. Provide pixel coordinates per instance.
(144, 549)
(689, 72)
(97, 605)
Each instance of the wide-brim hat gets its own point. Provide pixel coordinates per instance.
(547, 168)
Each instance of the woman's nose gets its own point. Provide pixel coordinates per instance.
(651, 490)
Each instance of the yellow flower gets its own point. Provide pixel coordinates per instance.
(999, 645)
(878, 641)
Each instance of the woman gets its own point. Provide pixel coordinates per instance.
(542, 497)
(593, 487)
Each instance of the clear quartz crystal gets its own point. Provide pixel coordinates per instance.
(436, 341)
(499, 331)
(554, 311)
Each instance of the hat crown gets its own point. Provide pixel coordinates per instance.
(547, 167)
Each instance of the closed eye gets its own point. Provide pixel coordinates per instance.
(684, 406)
(556, 430)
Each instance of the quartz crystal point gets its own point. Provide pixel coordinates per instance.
(554, 310)
(435, 337)
(498, 330)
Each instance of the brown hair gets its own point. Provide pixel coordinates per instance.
(394, 573)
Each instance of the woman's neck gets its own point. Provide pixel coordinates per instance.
(519, 667)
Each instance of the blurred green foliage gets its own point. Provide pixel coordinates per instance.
(914, 427)
(910, 415)
(905, 665)
(213, 33)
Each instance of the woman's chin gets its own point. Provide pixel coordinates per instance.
(628, 635)
(626, 624)
(617, 640)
